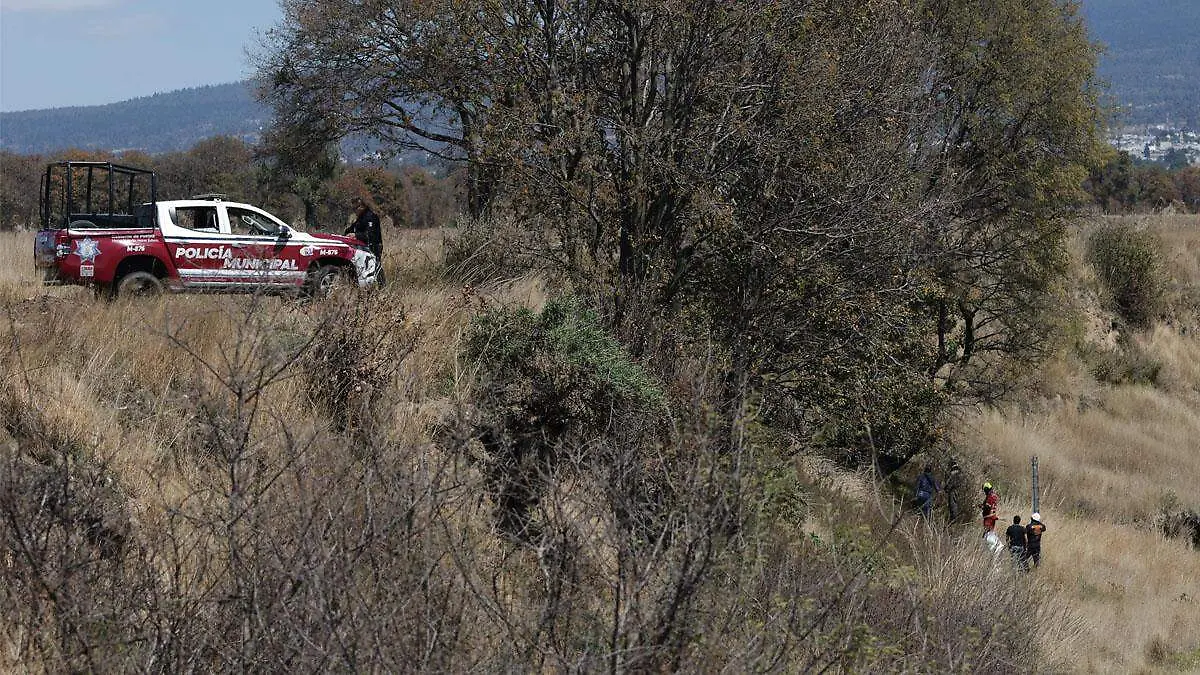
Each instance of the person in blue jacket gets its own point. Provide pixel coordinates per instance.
(927, 489)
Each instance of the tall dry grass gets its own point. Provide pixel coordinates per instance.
(1112, 460)
(94, 362)
(147, 393)
(16, 250)
(216, 463)
(1133, 591)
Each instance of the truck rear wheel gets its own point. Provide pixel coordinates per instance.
(139, 284)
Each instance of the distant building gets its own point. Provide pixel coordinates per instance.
(1155, 142)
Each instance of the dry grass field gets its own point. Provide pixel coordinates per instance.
(1113, 460)
(167, 417)
(135, 383)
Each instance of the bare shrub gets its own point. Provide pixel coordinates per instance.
(550, 381)
(613, 509)
(1179, 522)
(1128, 261)
(75, 585)
(1128, 364)
(492, 248)
(275, 545)
(354, 356)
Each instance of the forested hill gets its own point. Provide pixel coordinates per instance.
(1151, 58)
(160, 123)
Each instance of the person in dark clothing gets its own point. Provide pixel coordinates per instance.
(366, 229)
(1016, 542)
(927, 488)
(954, 484)
(1033, 538)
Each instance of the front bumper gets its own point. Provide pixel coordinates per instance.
(366, 268)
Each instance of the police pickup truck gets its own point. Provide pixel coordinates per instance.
(103, 226)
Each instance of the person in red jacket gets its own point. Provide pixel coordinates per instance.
(989, 508)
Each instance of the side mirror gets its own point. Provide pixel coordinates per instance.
(285, 232)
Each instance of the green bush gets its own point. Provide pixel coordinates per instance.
(564, 352)
(549, 383)
(1129, 264)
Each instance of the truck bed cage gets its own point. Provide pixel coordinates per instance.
(109, 196)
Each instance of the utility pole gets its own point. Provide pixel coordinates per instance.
(1035, 485)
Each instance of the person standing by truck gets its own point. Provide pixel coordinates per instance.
(366, 229)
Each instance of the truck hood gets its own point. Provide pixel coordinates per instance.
(341, 239)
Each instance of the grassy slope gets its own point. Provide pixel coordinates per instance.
(1111, 457)
(107, 378)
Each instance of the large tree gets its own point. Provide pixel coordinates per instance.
(411, 74)
(858, 200)
(1014, 134)
(301, 158)
(221, 164)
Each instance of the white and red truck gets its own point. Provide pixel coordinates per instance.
(103, 226)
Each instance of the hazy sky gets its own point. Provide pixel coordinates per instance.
(56, 53)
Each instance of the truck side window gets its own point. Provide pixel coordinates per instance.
(244, 221)
(199, 218)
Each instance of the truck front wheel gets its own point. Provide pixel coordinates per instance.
(139, 284)
(325, 280)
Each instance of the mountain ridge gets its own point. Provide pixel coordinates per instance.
(1151, 61)
(161, 122)
(1150, 58)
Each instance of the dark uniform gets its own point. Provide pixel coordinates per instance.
(954, 484)
(1033, 539)
(366, 229)
(1016, 541)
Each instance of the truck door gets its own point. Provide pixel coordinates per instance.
(197, 245)
(266, 256)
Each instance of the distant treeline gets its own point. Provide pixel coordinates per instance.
(1128, 185)
(410, 196)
